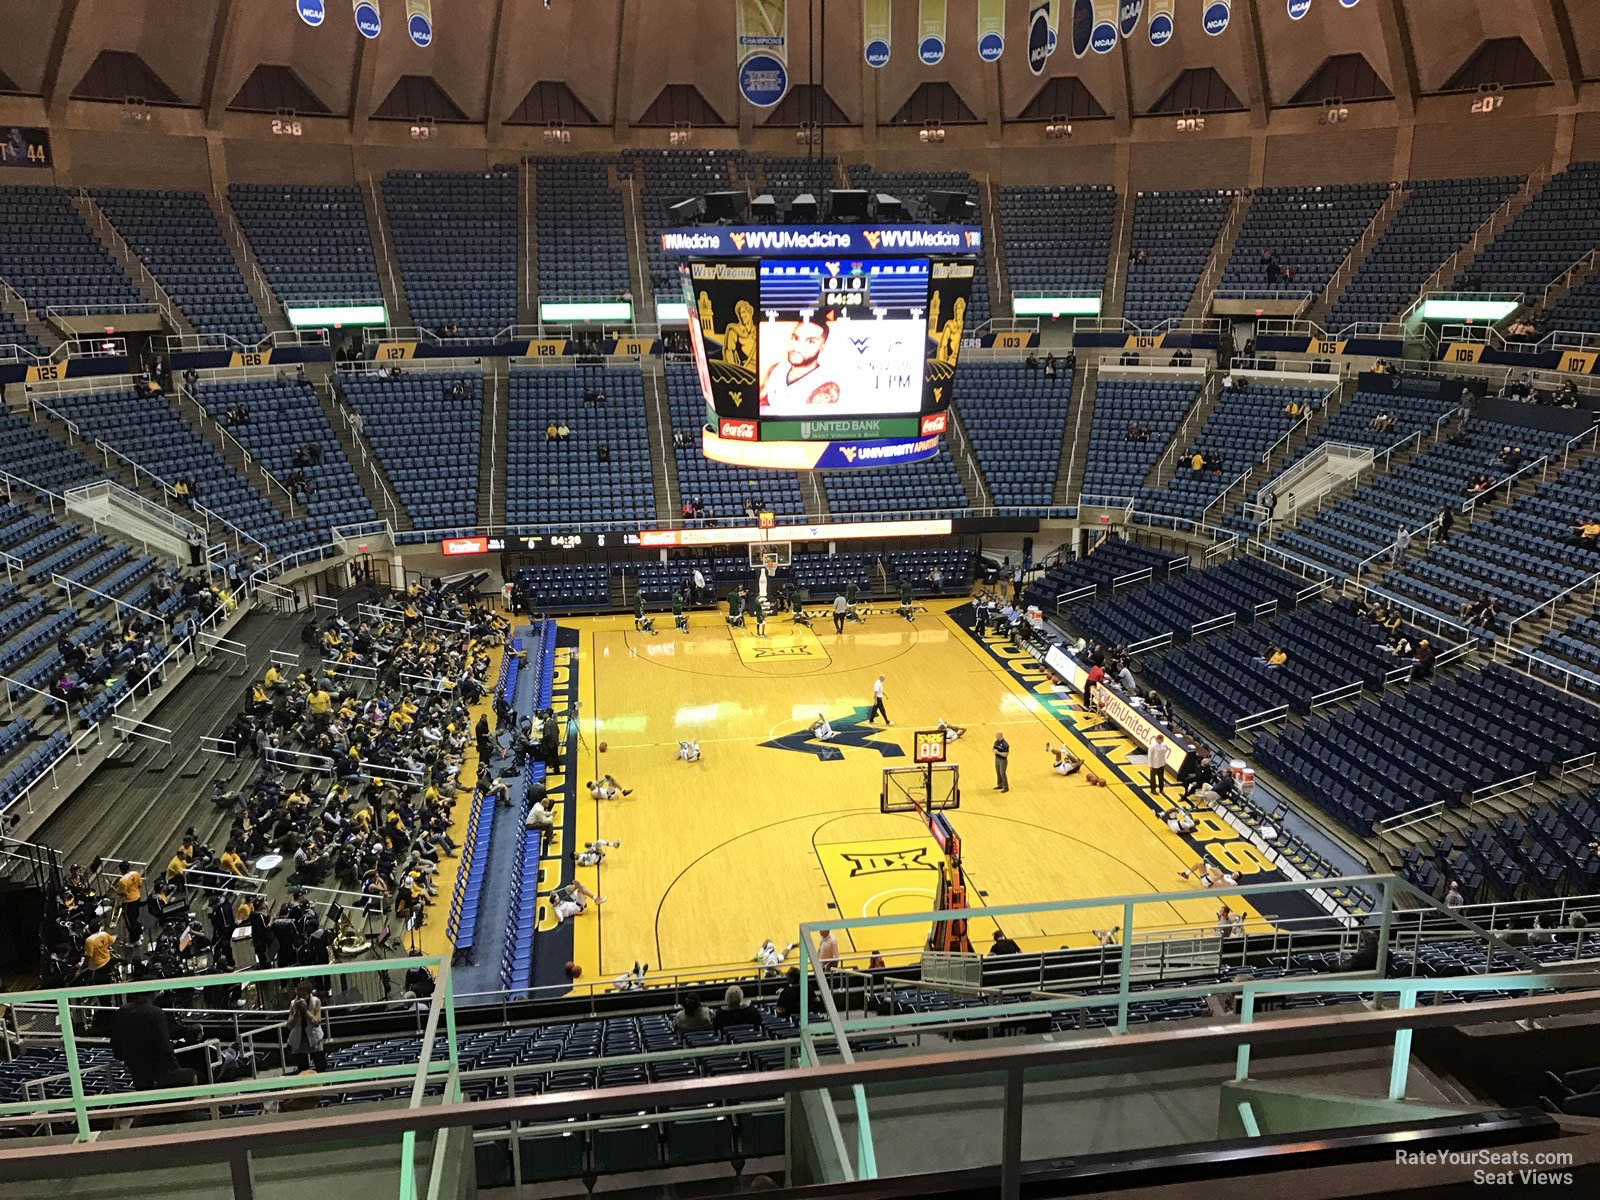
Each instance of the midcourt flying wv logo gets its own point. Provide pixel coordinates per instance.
(852, 731)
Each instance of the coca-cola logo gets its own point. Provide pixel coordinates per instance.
(935, 423)
(739, 431)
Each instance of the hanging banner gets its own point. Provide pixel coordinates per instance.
(1298, 9)
(1103, 37)
(761, 29)
(1038, 35)
(1082, 26)
(312, 12)
(1349, 3)
(1161, 22)
(930, 32)
(369, 22)
(1055, 23)
(1128, 14)
(1214, 15)
(991, 29)
(875, 25)
(419, 22)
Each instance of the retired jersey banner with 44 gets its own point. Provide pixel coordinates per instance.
(762, 47)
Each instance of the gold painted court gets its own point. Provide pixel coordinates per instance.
(772, 827)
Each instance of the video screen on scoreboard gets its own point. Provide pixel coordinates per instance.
(842, 338)
(788, 348)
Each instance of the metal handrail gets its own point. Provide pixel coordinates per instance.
(1393, 201)
(1561, 280)
(1481, 236)
(228, 438)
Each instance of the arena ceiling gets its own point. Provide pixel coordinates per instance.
(622, 63)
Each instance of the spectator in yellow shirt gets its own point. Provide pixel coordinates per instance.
(274, 677)
(130, 888)
(176, 868)
(97, 952)
(231, 861)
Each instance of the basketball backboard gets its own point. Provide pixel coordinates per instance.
(772, 555)
(907, 789)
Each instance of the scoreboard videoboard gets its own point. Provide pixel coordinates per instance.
(830, 335)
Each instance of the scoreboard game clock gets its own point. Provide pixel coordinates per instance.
(930, 746)
(24, 146)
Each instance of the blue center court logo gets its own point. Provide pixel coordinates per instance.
(1216, 17)
(421, 32)
(931, 51)
(877, 53)
(991, 46)
(763, 80)
(1160, 29)
(1298, 9)
(312, 12)
(852, 731)
(1128, 16)
(1104, 38)
(368, 22)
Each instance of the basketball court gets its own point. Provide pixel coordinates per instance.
(772, 826)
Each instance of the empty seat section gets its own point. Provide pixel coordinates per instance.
(455, 236)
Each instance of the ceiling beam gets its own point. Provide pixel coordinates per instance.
(1566, 70)
(56, 87)
(494, 100)
(219, 64)
(1257, 95)
(362, 73)
(1402, 57)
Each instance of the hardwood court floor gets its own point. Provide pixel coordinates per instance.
(764, 832)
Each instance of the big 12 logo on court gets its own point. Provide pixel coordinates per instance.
(739, 431)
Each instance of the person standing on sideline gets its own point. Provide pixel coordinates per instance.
(1016, 585)
(1159, 752)
(1002, 752)
(877, 703)
(699, 587)
(1447, 522)
(1402, 543)
(841, 607)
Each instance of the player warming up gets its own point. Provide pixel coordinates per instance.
(821, 730)
(1063, 762)
(905, 601)
(797, 608)
(593, 853)
(759, 607)
(851, 591)
(642, 623)
(952, 733)
(736, 608)
(679, 620)
(689, 751)
(607, 788)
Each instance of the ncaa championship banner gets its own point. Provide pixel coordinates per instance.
(419, 23)
(930, 32)
(762, 49)
(1094, 25)
(369, 21)
(1298, 9)
(1055, 24)
(876, 24)
(1038, 35)
(1161, 22)
(1215, 15)
(991, 29)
